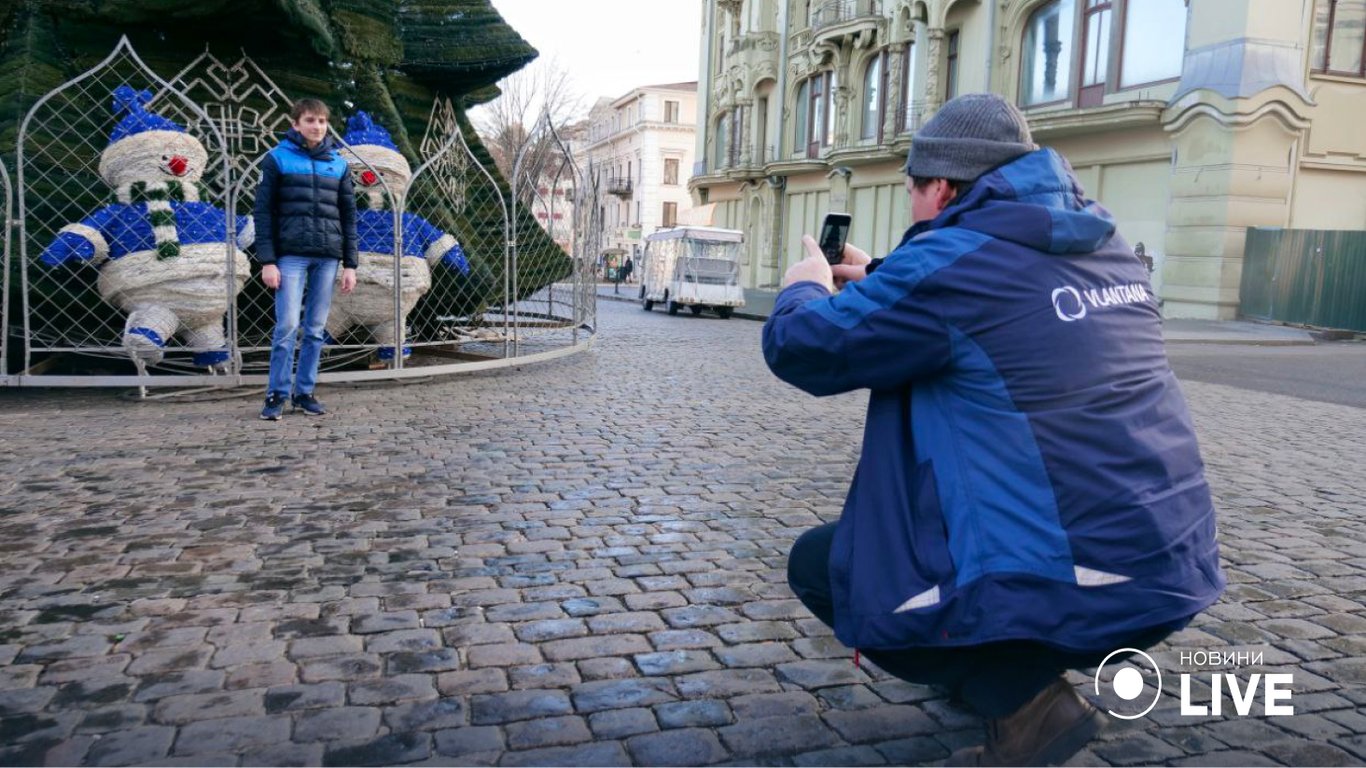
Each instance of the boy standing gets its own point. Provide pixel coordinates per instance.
(305, 223)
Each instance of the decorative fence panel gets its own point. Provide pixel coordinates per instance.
(135, 197)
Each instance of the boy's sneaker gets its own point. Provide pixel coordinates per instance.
(309, 405)
(275, 407)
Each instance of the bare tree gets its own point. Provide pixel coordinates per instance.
(507, 125)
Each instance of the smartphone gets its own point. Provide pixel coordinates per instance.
(834, 233)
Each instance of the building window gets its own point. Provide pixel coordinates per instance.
(1047, 55)
(803, 103)
(737, 135)
(1154, 41)
(671, 171)
(722, 141)
(907, 120)
(670, 111)
(821, 125)
(874, 81)
(1096, 60)
(1339, 37)
(670, 214)
(951, 86)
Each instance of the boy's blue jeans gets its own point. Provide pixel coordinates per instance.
(306, 284)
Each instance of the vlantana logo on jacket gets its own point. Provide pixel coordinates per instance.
(1070, 304)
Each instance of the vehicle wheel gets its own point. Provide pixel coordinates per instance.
(673, 307)
(695, 309)
(723, 312)
(649, 305)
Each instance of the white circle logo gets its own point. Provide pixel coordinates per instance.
(1128, 683)
(1075, 309)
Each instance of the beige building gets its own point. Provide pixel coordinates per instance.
(640, 150)
(1191, 120)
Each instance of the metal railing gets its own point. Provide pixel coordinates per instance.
(450, 272)
(838, 11)
(911, 117)
(619, 186)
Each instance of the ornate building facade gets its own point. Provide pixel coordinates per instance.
(640, 149)
(1191, 120)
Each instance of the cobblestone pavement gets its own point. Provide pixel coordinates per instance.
(576, 563)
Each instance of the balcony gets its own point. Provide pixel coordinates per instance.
(910, 119)
(619, 187)
(835, 19)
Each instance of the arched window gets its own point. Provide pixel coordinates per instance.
(1047, 57)
(872, 99)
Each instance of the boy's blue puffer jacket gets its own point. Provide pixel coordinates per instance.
(305, 205)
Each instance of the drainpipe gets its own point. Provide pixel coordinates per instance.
(780, 192)
(991, 41)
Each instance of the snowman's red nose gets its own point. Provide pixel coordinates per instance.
(177, 165)
(368, 178)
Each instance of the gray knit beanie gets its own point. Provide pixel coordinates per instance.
(967, 137)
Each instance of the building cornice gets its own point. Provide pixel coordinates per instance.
(1110, 117)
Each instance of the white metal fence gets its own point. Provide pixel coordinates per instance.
(136, 266)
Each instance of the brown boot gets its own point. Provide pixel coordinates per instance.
(1047, 730)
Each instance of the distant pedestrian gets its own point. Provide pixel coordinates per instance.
(1030, 496)
(305, 226)
(628, 268)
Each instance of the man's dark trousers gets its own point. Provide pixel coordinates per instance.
(995, 679)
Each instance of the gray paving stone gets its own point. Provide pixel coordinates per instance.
(561, 675)
(921, 750)
(621, 694)
(726, 683)
(608, 668)
(459, 742)
(285, 755)
(466, 682)
(591, 647)
(547, 732)
(816, 674)
(290, 698)
(600, 753)
(392, 749)
(841, 756)
(176, 683)
(392, 689)
(619, 723)
(435, 660)
(188, 708)
(496, 708)
(675, 662)
(689, 746)
(693, 714)
(777, 736)
(429, 715)
(893, 721)
(135, 746)
(337, 723)
(231, 736)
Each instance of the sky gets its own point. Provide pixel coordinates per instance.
(612, 46)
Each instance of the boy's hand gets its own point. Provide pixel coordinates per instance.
(270, 275)
(348, 280)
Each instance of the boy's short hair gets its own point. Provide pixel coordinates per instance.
(308, 107)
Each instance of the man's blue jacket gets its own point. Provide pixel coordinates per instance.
(1029, 466)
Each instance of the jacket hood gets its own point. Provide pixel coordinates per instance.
(1034, 200)
(321, 152)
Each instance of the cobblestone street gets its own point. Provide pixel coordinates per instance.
(575, 563)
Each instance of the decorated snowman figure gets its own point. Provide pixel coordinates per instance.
(161, 250)
(381, 174)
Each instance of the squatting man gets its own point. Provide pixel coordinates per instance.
(1030, 494)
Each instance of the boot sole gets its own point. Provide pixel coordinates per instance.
(1071, 741)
